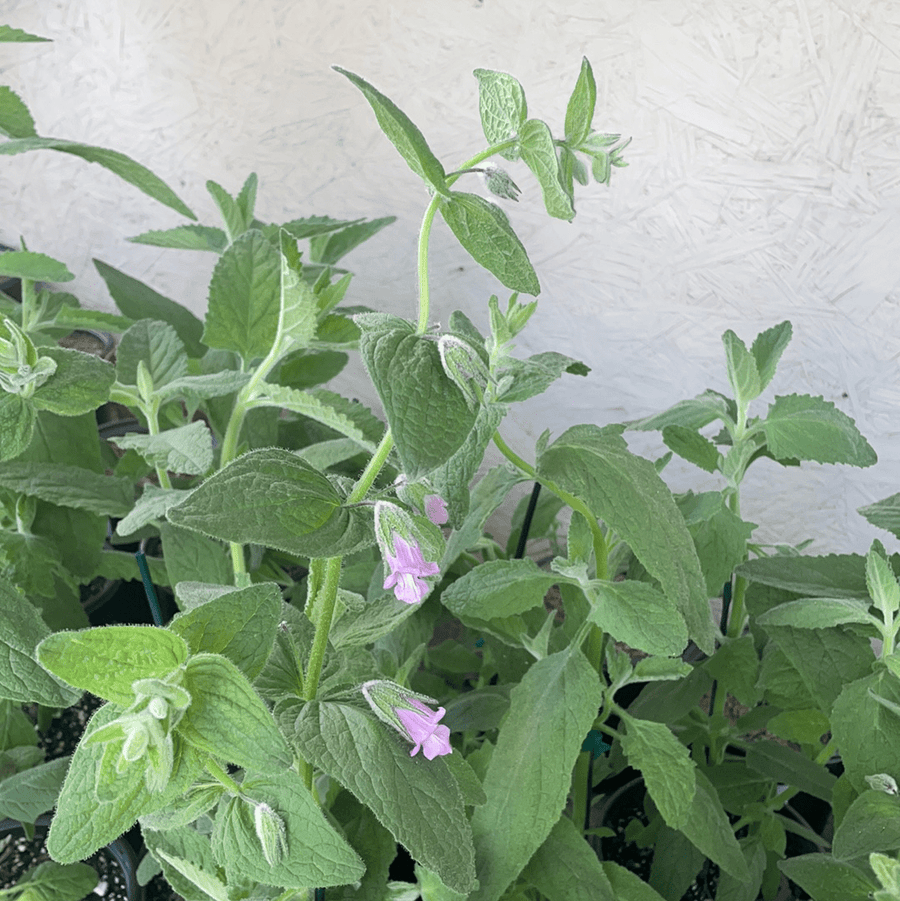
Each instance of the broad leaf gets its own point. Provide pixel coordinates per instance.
(239, 625)
(565, 868)
(427, 413)
(827, 879)
(666, 766)
(244, 297)
(484, 231)
(316, 854)
(157, 345)
(831, 575)
(123, 166)
(228, 719)
(692, 446)
(139, 301)
(22, 679)
(35, 266)
(68, 486)
(498, 588)
(802, 427)
(692, 414)
(628, 494)
(785, 765)
(403, 134)
(187, 449)
(638, 614)
(81, 383)
(272, 498)
(529, 774)
(819, 613)
(872, 823)
(26, 795)
(418, 800)
(17, 417)
(106, 660)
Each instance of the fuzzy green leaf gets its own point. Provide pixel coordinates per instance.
(691, 446)
(17, 417)
(35, 266)
(185, 237)
(239, 625)
(539, 153)
(831, 575)
(802, 427)
(106, 660)
(26, 795)
(272, 498)
(499, 588)
(403, 134)
(228, 719)
(743, 373)
(187, 449)
(158, 346)
(418, 800)
(501, 102)
(484, 231)
(427, 413)
(123, 166)
(819, 613)
(580, 109)
(871, 823)
(827, 879)
(245, 297)
(68, 486)
(81, 383)
(8, 34)
(529, 774)
(767, 349)
(22, 679)
(627, 493)
(884, 513)
(316, 853)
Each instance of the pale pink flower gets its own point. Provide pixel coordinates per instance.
(408, 566)
(436, 509)
(422, 729)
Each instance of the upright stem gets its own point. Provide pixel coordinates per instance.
(325, 602)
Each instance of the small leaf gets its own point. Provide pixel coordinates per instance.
(187, 449)
(691, 446)
(403, 134)
(539, 153)
(80, 384)
(8, 34)
(15, 118)
(235, 224)
(120, 164)
(484, 231)
(501, 102)
(882, 583)
(580, 109)
(185, 237)
(809, 428)
(329, 249)
(17, 417)
(743, 374)
(884, 513)
(499, 588)
(767, 350)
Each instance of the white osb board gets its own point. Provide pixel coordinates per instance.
(764, 184)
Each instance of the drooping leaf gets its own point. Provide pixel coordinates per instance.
(68, 486)
(830, 575)
(120, 164)
(819, 613)
(139, 301)
(402, 133)
(628, 494)
(691, 446)
(802, 427)
(484, 231)
(427, 413)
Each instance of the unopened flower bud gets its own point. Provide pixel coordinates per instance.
(271, 833)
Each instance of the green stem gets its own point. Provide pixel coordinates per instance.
(151, 411)
(326, 598)
(222, 777)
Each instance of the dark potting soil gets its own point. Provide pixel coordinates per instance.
(19, 854)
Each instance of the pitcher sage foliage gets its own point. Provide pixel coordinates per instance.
(355, 662)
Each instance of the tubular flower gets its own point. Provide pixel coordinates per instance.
(422, 729)
(408, 566)
(405, 711)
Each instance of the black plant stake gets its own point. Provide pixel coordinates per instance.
(529, 516)
(723, 623)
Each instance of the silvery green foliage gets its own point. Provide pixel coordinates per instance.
(315, 550)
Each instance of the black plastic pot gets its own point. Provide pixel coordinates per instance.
(120, 851)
